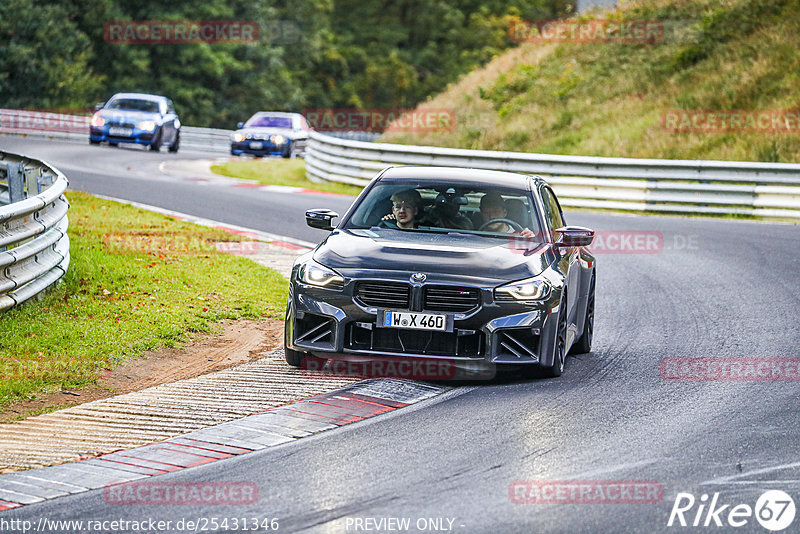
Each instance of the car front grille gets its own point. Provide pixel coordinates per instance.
(394, 295)
(452, 299)
(457, 344)
(120, 125)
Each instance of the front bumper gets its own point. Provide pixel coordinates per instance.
(333, 324)
(267, 148)
(140, 137)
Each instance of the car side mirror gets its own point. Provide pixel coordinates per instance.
(321, 218)
(239, 125)
(99, 106)
(574, 236)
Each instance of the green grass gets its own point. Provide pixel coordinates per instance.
(290, 172)
(608, 99)
(137, 281)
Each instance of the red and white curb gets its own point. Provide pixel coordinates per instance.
(270, 428)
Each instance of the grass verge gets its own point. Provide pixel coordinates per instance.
(280, 172)
(611, 98)
(137, 281)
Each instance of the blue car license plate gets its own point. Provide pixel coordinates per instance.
(120, 132)
(415, 321)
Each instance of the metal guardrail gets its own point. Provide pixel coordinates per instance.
(34, 246)
(668, 186)
(76, 128)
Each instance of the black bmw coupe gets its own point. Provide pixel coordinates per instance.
(473, 267)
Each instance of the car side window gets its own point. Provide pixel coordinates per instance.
(170, 107)
(552, 210)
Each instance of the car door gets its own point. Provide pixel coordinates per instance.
(568, 257)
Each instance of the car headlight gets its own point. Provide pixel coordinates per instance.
(277, 139)
(528, 289)
(238, 137)
(97, 120)
(147, 126)
(314, 274)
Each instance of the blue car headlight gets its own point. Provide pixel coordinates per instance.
(528, 289)
(278, 139)
(147, 126)
(315, 274)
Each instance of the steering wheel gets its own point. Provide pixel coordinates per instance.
(513, 224)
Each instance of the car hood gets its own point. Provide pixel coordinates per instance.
(439, 256)
(266, 132)
(123, 115)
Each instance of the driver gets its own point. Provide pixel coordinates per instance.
(493, 207)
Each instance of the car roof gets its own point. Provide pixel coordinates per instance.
(276, 114)
(458, 174)
(139, 96)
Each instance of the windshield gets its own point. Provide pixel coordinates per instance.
(269, 121)
(133, 104)
(446, 208)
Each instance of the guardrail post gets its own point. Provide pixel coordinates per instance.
(16, 182)
(31, 182)
(44, 181)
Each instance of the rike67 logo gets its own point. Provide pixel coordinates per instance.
(774, 510)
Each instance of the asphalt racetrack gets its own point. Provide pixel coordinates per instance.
(627, 421)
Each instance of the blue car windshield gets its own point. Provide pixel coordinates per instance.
(132, 104)
(267, 121)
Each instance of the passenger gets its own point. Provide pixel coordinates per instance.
(405, 207)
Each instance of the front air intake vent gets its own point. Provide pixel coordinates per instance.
(394, 295)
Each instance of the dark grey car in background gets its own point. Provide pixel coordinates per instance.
(450, 289)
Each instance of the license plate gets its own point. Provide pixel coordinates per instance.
(256, 145)
(122, 132)
(415, 321)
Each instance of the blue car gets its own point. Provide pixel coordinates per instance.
(139, 118)
(271, 133)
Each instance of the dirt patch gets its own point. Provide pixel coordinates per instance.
(239, 342)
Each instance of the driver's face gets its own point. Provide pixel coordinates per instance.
(493, 211)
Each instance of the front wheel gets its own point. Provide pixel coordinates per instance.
(93, 142)
(155, 146)
(176, 145)
(584, 344)
(293, 357)
(560, 350)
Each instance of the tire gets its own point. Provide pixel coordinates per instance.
(293, 357)
(176, 145)
(93, 142)
(155, 146)
(288, 153)
(584, 344)
(112, 144)
(560, 352)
